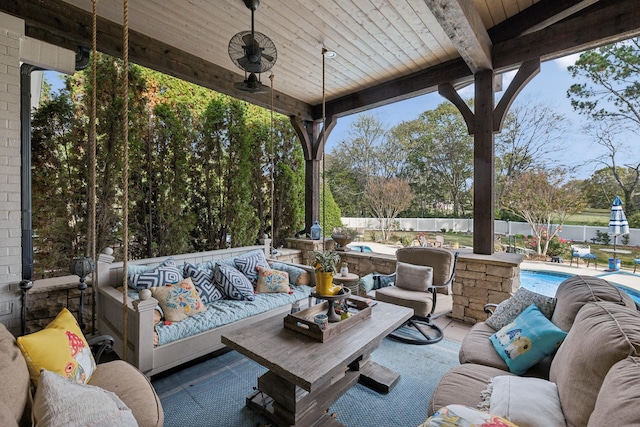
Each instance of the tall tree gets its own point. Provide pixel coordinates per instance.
(542, 198)
(386, 198)
(451, 154)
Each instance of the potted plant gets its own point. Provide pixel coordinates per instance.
(343, 236)
(325, 264)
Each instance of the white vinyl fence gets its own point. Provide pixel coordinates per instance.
(576, 233)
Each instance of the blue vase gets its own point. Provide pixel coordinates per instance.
(316, 231)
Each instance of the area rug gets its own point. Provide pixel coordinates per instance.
(213, 392)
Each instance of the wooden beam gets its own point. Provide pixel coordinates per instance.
(415, 84)
(483, 165)
(62, 24)
(536, 17)
(597, 25)
(462, 23)
(527, 71)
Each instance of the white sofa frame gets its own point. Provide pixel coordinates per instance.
(141, 352)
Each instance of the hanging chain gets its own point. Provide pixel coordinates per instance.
(93, 200)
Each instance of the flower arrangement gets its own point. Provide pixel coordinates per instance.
(325, 261)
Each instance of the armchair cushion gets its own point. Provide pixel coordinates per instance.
(617, 403)
(413, 277)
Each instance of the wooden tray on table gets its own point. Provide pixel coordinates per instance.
(303, 321)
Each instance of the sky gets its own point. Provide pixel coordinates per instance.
(549, 86)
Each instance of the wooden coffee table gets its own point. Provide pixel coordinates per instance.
(306, 376)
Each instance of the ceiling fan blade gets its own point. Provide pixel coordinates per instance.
(250, 66)
(269, 58)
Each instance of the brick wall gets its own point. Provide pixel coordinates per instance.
(11, 32)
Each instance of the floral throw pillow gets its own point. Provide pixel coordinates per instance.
(272, 281)
(179, 301)
(511, 308)
(233, 283)
(463, 416)
(203, 280)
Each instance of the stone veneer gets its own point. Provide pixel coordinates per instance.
(483, 279)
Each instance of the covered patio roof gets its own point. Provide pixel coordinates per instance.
(386, 51)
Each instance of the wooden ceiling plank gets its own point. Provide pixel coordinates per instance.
(600, 24)
(483, 10)
(463, 25)
(496, 10)
(69, 27)
(435, 31)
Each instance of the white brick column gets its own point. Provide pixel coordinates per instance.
(15, 48)
(11, 34)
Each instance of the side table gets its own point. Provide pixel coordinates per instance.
(349, 281)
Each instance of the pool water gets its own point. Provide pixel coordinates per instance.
(546, 283)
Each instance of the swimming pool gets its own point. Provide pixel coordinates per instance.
(546, 283)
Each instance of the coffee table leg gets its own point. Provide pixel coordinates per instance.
(377, 377)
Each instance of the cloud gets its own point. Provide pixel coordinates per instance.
(566, 61)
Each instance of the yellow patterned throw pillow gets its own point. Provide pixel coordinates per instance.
(272, 281)
(179, 301)
(464, 416)
(60, 348)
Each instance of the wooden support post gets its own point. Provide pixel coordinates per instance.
(312, 139)
(483, 165)
(482, 124)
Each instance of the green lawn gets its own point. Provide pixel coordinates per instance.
(596, 217)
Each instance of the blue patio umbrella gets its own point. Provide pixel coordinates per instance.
(618, 223)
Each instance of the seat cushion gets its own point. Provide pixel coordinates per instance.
(420, 302)
(133, 388)
(617, 403)
(463, 385)
(576, 291)
(14, 393)
(603, 334)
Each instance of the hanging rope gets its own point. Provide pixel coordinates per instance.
(92, 156)
(324, 136)
(273, 166)
(125, 172)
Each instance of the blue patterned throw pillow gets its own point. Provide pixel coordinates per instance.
(233, 283)
(248, 264)
(527, 340)
(165, 272)
(203, 281)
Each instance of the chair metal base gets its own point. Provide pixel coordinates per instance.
(418, 331)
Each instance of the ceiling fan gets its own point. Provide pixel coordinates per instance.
(252, 52)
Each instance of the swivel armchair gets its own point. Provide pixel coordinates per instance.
(421, 273)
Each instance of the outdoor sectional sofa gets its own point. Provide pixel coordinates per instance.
(154, 345)
(593, 379)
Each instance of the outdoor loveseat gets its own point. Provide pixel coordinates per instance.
(593, 379)
(154, 344)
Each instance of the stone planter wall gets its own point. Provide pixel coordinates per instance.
(483, 279)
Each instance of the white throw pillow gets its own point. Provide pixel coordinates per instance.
(60, 402)
(526, 402)
(413, 277)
